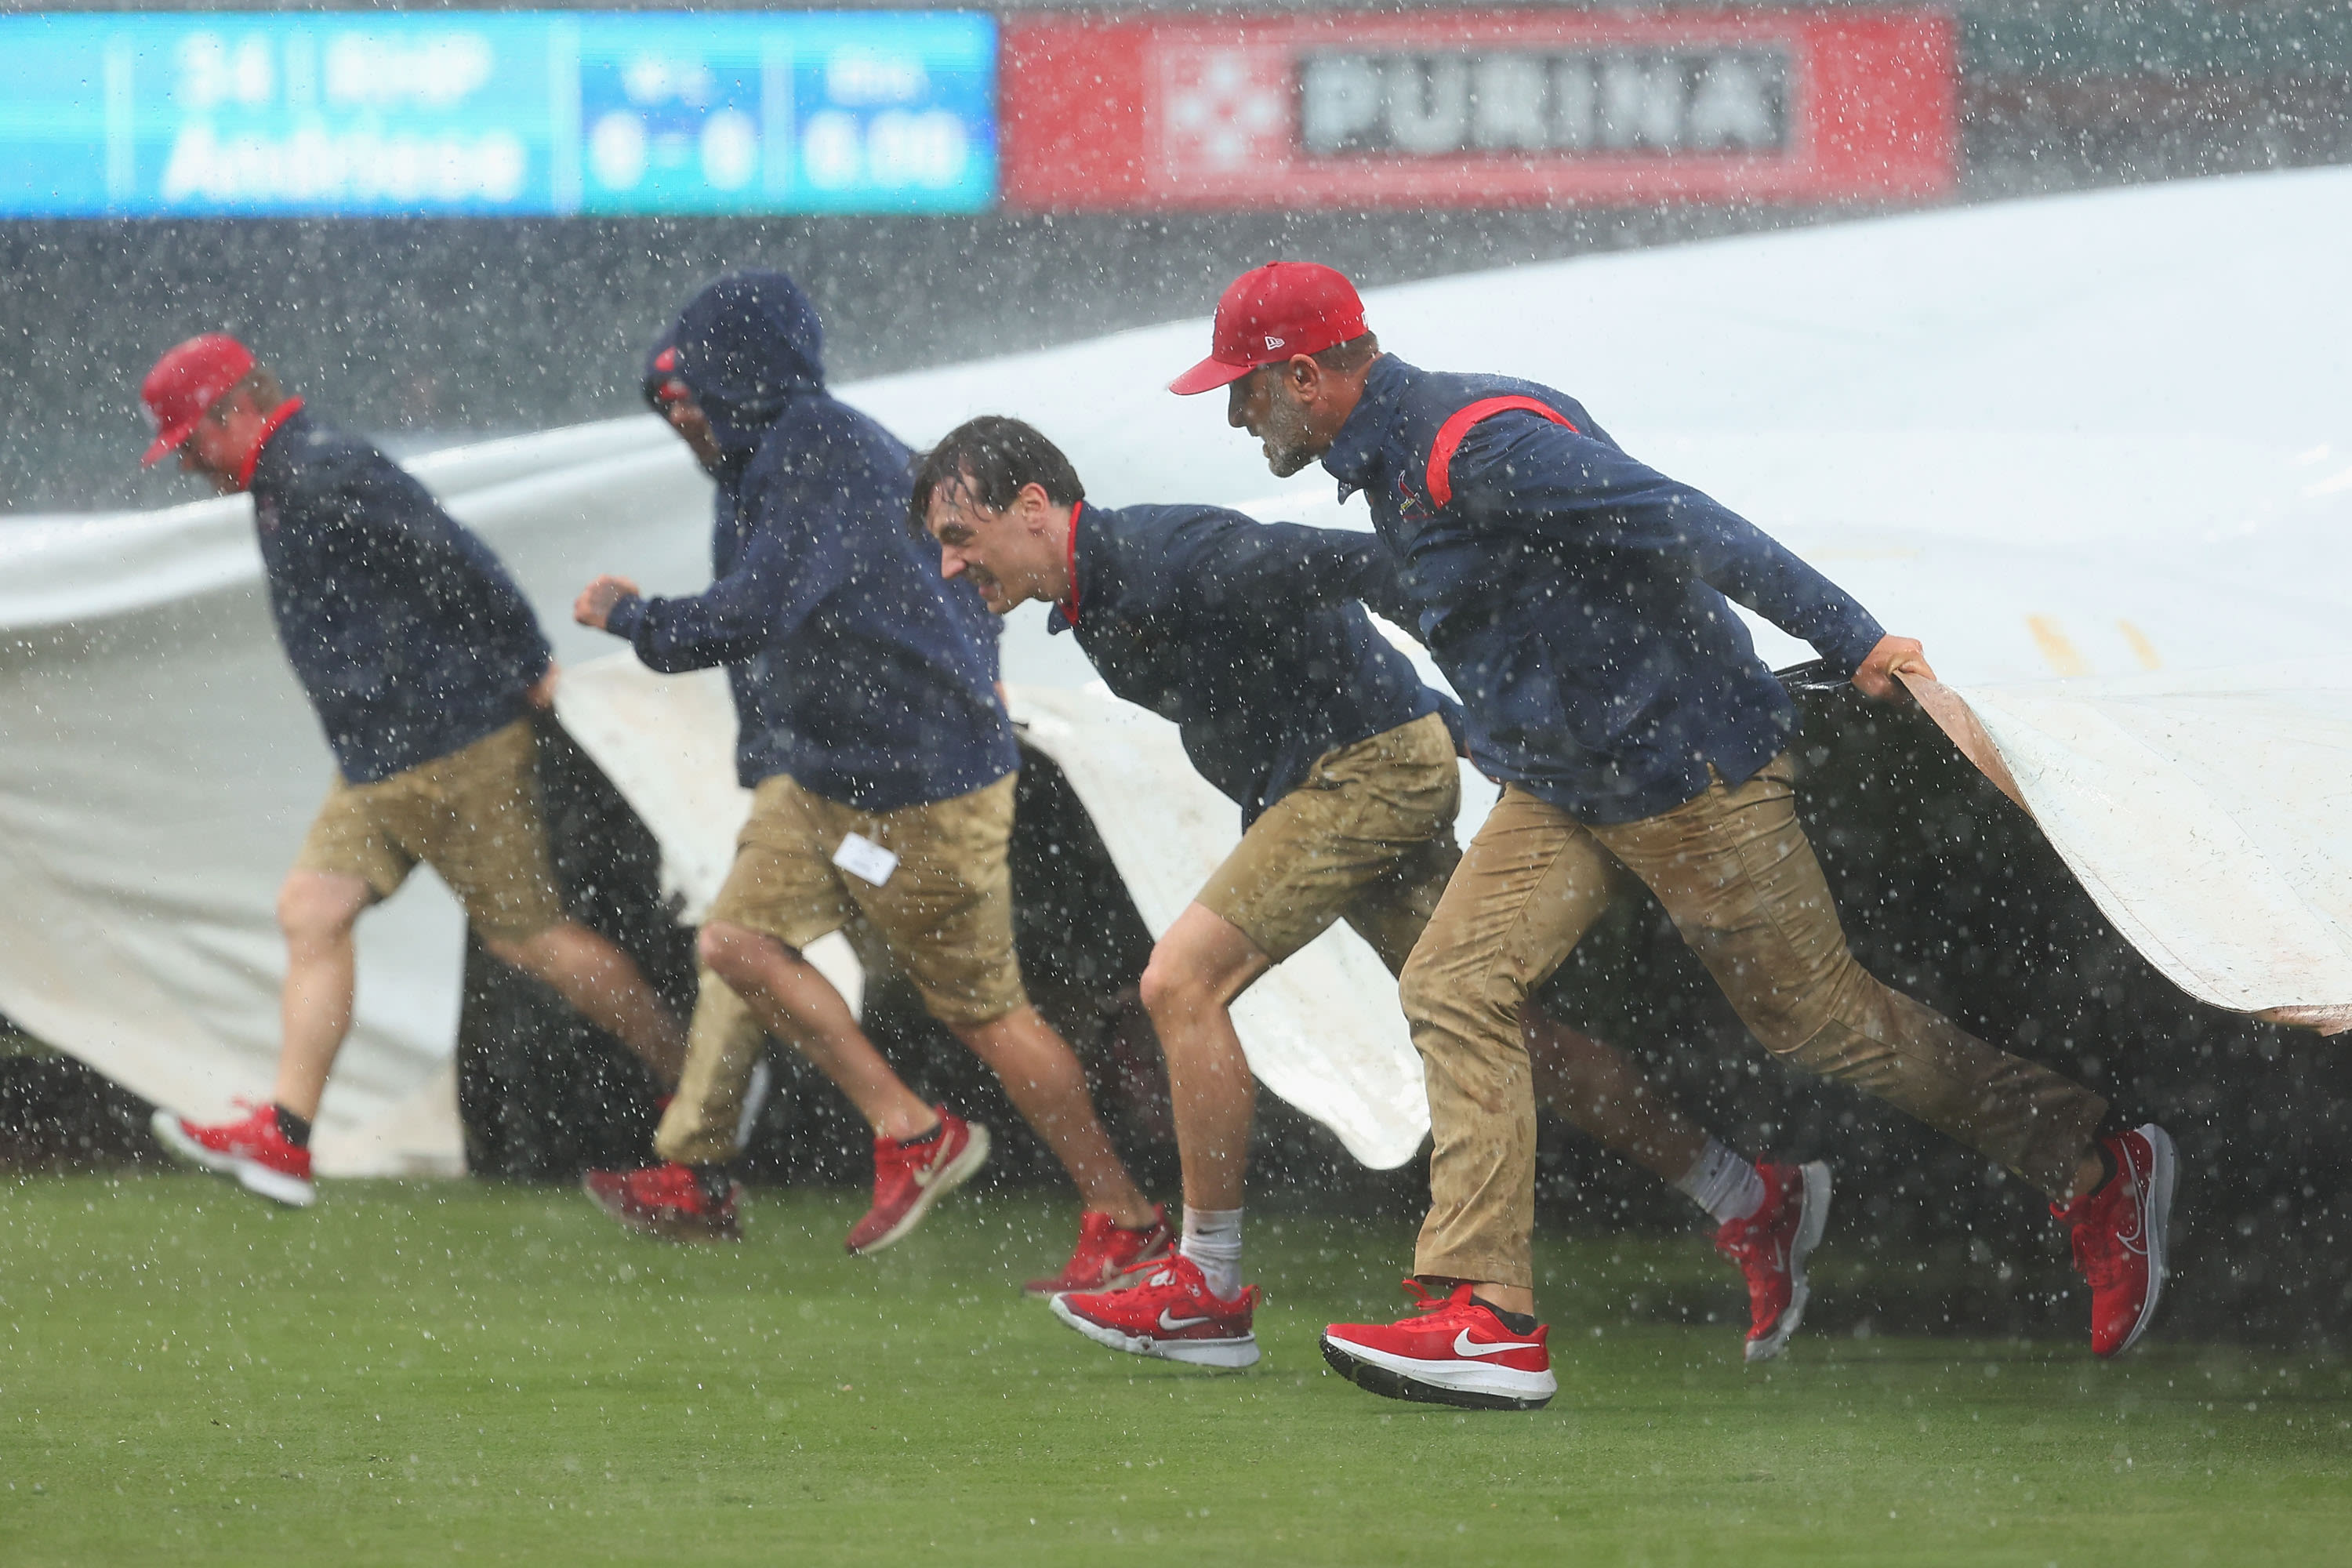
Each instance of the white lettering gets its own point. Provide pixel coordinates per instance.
(1507, 104)
(1442, 103)
(317, 166)
(859, 78)
(1732, 108)
(1340, 101)
(1429, 103)
(926, 150)
(730, 149)
(830, 151)
(1641, 103)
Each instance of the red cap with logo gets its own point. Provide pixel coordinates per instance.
(1282, 309)
(187, 380)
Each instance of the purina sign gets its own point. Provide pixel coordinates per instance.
(1429, 105)
(1476, 109)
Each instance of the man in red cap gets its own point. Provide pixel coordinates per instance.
(424, 663)
(1578, 600)
(1253, 638)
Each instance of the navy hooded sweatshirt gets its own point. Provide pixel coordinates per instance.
(406, 632)
(854, 668)
(1246, 634)
(1576, 600)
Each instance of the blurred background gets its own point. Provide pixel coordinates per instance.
(446, 224)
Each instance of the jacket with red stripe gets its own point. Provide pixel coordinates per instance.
(1250, 636)
(1575, 598)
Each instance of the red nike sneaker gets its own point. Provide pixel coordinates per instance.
(1453, 1351)
(2119, 1236)
(668, 1201)
(1107, 1254)
(1172, 1315)
(254, 1151)
(909, 1179)
(1770, 1247)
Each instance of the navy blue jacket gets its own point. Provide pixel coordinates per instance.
(855, 669)
(408, 635)
(1247, 636)
(1577, 599)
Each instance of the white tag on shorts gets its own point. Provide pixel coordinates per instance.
(864, 859)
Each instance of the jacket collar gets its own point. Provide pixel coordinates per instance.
(1094, 569)
(1356, 448)
(280, 418)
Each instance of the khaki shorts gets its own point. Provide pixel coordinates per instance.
(472, 815)
(945, 913)
(1367, 837)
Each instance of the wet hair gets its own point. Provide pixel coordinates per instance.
(1344, 359)
(261, 385)
(994, 459)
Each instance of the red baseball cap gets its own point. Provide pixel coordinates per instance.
(1282, 309)
(186, 382)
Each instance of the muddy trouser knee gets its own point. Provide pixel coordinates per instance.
(1737, 874)
(1527, 887)
(723, 1044)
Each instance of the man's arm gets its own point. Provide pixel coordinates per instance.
(1531, 476)
(795, 557)
(1229, 562)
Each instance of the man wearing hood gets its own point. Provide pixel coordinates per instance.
(882, 767)
(424, 662)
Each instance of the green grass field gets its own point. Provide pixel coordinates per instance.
(426, 1371)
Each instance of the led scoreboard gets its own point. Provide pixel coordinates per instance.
(220, 113)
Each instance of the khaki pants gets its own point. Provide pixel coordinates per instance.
(944, 916)
(1734, 870)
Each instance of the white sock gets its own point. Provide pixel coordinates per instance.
(1213, 1240)
(1723, 1184)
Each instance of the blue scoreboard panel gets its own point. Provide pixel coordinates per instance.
(516, 112)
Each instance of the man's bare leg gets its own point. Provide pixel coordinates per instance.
(1597, 1089)
(604, 985)
(798, 1005)
(316, 911)
(1042, 1077)
(1197, 970)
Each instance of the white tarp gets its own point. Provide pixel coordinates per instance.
(1322, 1031)
(2096, 452)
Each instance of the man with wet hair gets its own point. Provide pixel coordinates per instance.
(1252, 639)
(882, 767)
(1580, 603)
(424, 663)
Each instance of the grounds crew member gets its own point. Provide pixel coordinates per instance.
(424, 663)
(882, 767)
(1250, 636)
(1579, 602)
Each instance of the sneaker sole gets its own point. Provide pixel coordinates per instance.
(1468, 1385)
(960, 1170)
(1229, 1355)
(2157, 1219)
(1814, 1220)
(684, 1229)
(252, 1176)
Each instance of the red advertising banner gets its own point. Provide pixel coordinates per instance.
(1476, 109)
